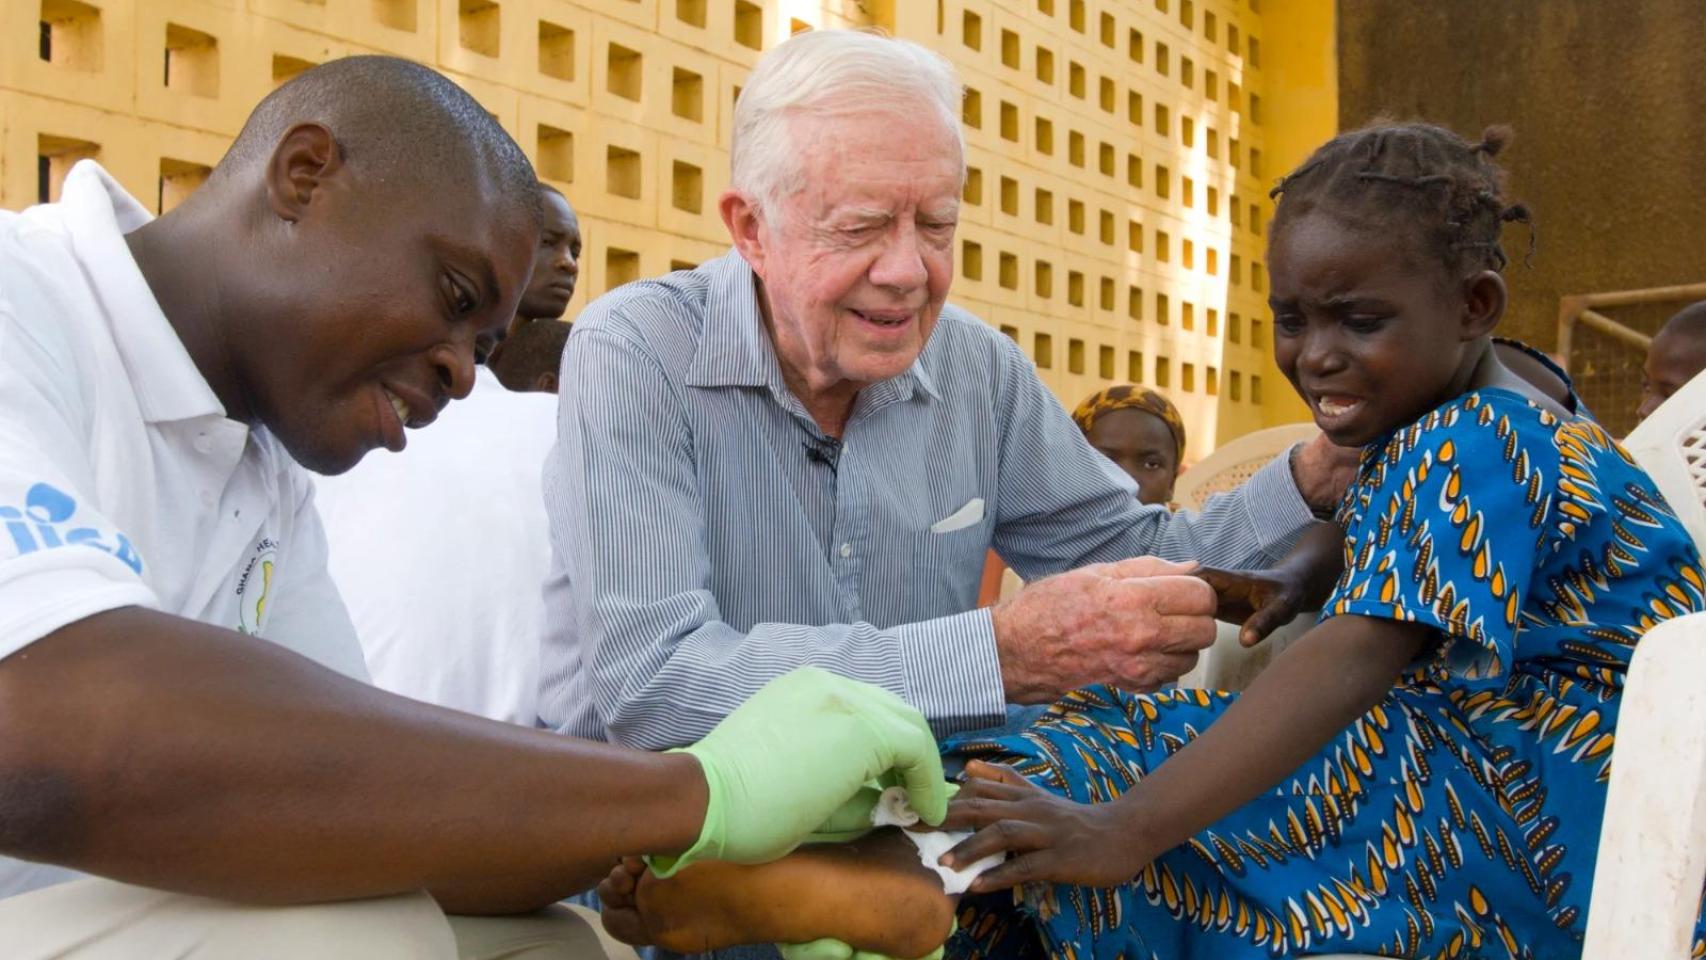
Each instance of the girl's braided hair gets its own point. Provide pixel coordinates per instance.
(1449, 190)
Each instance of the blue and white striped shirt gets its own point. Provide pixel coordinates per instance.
(700, 551)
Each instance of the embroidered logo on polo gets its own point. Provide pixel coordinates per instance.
(254, 587)
(44, 522)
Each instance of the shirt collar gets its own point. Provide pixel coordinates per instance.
(735, 351)
(98, 214)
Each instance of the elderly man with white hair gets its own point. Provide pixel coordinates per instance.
(799, 453)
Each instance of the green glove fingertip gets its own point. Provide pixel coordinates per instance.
(827, 948)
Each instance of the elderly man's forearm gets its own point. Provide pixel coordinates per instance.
(159, 751)
(946, 667)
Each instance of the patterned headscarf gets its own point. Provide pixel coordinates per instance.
(1123, 396)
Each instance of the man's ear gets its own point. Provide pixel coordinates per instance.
(1483, 303)
(547, 383)
(306, 156)
(745, 225)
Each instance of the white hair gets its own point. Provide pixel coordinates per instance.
(827, 72)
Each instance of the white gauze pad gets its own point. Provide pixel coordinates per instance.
(893, 810)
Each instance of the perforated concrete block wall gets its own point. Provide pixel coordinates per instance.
(1116, 193)
(1116, 198)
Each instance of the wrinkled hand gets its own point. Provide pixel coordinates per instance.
(797, 757)
(1323, 470)
(1049, 838)
(1136, 624)
(1261, 600)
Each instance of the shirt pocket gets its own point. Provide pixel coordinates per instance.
(947, 569)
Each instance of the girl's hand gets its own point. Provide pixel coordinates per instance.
(1051, 838)
(1265, 600)
(1261, 600)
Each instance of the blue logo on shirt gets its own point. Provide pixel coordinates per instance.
(40, 526)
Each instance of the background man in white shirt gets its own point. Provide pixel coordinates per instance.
(180, 698)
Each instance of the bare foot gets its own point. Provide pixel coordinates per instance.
(872, 893)
(618, 909)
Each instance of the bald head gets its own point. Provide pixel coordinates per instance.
(1689, 322)
(396, 122)
(370, 226)
(1676, 356)
(528, 359)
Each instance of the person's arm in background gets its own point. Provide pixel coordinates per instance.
(627, 521)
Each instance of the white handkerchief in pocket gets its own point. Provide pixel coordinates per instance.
(960, 519)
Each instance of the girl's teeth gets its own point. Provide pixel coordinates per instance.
(398, 405)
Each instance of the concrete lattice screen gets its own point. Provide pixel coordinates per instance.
(1113, 222)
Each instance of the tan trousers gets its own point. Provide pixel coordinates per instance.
(102, 920)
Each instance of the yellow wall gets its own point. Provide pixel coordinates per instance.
(1607, 154)
(1303, 79)
(1117, 219)
(1119, 148)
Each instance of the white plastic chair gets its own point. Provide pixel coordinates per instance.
(1652, 847)
(1671, 446)
(1237, 461)
(1228, 665)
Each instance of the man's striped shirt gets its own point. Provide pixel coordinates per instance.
(707, 537)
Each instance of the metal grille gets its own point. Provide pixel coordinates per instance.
(1605, 354)
(1607, 373)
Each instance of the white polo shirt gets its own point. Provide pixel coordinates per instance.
(122, 483)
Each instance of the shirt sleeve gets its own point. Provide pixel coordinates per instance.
(1063, 505)
(1431, 539)
(307, 612)
(630, 600)
(61, 559)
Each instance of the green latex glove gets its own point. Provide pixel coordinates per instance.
(830, 949)
(797, 757)
(853, 820)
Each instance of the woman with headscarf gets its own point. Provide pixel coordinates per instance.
(1141, 432)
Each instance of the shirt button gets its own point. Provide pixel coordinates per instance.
(202, 444)
(846, 550)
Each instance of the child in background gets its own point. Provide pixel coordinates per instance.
(1141, 432)
(1423, 773)
(1676, 356)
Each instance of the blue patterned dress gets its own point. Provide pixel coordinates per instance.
(1459, 817)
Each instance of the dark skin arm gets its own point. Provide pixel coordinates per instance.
(1265, 600)
(1331, 676)
(156, 750)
